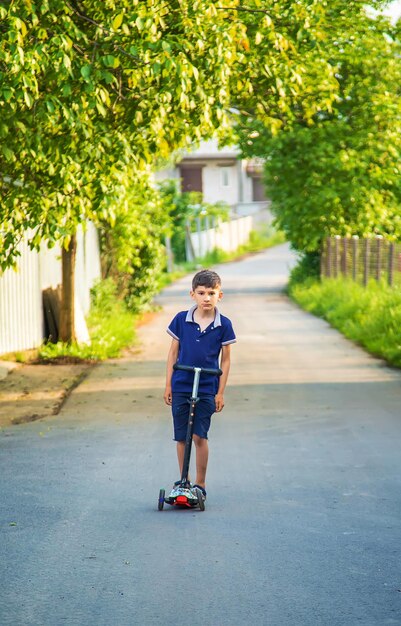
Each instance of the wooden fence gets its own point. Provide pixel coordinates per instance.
(362, 259)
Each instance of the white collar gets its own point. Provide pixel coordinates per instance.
(217, 318)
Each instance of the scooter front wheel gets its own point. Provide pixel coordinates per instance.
(160, 503)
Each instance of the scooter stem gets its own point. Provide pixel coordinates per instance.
(188, 442)
(195, 386)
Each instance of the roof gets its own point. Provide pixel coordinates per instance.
(210, 150)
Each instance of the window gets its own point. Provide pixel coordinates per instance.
(225, 176)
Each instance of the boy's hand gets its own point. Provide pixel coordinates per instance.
(219, 400)
(168, 396)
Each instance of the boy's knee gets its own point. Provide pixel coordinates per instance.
(199, 441)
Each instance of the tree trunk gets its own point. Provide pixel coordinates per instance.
(67, 316)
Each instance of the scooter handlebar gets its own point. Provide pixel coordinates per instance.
(192, 368)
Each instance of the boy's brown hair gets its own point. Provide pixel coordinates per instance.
(206, 278)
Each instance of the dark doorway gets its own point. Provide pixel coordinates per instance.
(258, 190)
(191, 178)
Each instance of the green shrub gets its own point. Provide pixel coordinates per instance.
(266, 236)
(111, 328)
(308, 266)
(132, 246)
(186, 207)
(111, 325)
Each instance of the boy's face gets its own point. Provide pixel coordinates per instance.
(207, 298)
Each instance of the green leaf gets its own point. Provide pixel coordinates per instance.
(7, 94)
(66, 89)
(28, 99)
(107, 77)
(102, 110)
(118, 20)
(7, 152)
(86, 71)
(111, 61)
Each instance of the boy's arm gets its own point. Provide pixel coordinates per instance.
(171, 359)
(225, 368)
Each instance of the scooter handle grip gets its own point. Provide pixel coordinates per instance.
(191, 368)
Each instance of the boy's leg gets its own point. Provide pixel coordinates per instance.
(202, 456)
(204, 410)
(180, 454)
(180, 410)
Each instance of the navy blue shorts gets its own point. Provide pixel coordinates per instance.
(205, 407)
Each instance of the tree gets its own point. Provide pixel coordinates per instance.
(91, 92)
(284, 72)
(341, 173)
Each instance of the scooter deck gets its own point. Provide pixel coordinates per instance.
(183, 498)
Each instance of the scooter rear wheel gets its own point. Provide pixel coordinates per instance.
(160, 503)
(201, 499)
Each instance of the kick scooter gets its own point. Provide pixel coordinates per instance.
(182, 494)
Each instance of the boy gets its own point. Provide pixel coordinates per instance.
(198, 337)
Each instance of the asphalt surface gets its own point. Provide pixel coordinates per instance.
(302, 520)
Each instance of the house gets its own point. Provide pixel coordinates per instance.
(221, 175)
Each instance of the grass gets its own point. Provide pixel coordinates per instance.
(111, 329)
(369, 316)
(109, 335)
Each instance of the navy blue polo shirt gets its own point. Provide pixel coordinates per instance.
(199, 349)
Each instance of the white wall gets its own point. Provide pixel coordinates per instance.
(21, 308)
(87, 269)
(227, 236)
(213, 188)
(21, 311)
(160, 175)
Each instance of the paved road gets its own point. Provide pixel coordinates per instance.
(302, 525)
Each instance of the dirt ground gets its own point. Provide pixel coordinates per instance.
(30, 392)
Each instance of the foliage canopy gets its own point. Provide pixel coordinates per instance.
(90, 93)
(340, 171)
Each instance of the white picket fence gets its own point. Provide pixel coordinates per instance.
(227, 236)
(21, 306)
